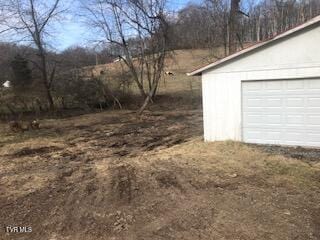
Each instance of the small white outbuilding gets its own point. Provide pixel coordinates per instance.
(268, 93)
(6, 84)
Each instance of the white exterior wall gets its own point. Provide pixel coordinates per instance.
(296, 57)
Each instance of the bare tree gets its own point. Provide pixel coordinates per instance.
(30, 20)
(140, 30)
(218, 12)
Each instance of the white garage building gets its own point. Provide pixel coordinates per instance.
(268, 93)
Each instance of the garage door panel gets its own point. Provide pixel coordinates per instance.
(250, 119)
(252, 134)
(273, 119)
(285, 137)
(314, 101)
(281, 112)
(273, 86)
(252, 88)
(272, 110)
(273, 102)
(294, 120)
(295, 85)
(293, 136)
(292, 128)
(293, 93)
(314, 137)
(254, 102)
(295, 102)
(274, 135)
(313, 120)
(313, 85)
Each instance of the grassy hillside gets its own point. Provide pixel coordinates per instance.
(179, 62)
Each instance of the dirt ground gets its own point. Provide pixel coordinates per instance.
(114, 176)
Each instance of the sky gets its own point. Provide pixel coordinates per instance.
(72, 31)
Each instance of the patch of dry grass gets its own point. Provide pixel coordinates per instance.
(239, 158)
(115, 176)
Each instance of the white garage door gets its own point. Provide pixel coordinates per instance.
(281, 112)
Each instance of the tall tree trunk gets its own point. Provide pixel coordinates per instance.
(37, 37)
(148, 99)
(233, 25)
(258, 28)
(45, 80)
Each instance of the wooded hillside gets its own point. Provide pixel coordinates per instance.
(140, 36)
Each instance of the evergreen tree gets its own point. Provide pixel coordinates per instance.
(22, 74)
